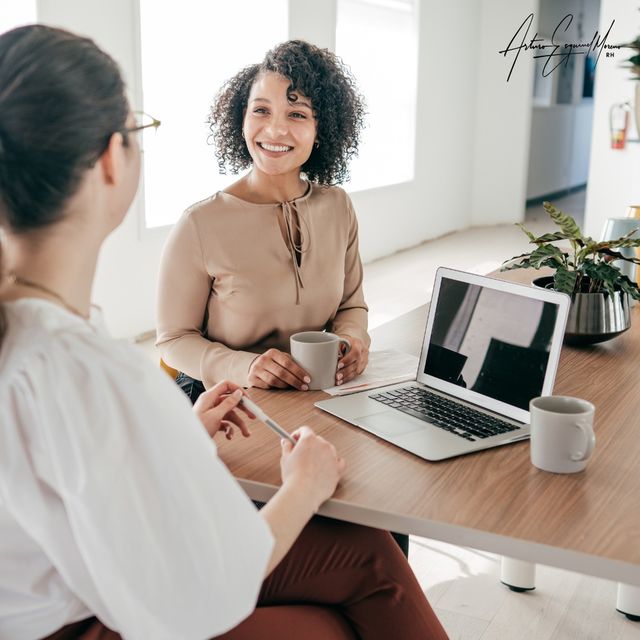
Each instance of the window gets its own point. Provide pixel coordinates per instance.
(16, 13)
(188, 50)
(378, 39)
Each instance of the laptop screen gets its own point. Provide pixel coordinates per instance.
(493, 342)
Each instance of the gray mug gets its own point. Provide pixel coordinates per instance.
(317, 353)
(562, 438)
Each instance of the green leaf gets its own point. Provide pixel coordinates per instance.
(564, 221)
(552, 237)
(530, 235)
(593, 247)
(601, 271)
(564, 280)
(629, 287)
(604, 272)
(523, 264)
(522, 255)
(616, 255)
(547, 255)
(625, 243)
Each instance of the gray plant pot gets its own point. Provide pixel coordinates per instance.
(593, 317)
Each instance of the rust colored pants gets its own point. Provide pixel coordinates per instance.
(338, 582)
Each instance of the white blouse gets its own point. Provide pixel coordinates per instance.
(113, 501)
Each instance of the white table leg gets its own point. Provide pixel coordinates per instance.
(628, 601)
(518, 575)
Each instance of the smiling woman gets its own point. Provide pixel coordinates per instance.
(327, 87)
(276, 252)
(279, 126)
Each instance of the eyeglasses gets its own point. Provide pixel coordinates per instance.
(143, 121)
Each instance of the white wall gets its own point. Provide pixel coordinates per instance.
(552, 11)
(502, 116)
(472, 130)
(561, 133)
(313, 21)
(126, 277)
(581, 144)
(614, 181)
(471, 147)
(437, 201)
(560, 146)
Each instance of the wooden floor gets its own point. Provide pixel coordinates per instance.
(463, 584)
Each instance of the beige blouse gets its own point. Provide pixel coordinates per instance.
(232, 286)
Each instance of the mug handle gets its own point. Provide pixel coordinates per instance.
(590, 441)
(343, 342)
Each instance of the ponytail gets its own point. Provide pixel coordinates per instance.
(3, 318)
(61, 99)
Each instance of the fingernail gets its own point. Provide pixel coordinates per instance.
(339, 382)
(237, 393)
(307, 379)
(340, 365)
(304, 387)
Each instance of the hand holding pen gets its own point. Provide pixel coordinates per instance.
(218, 407)
(308, 461)
(219, 410)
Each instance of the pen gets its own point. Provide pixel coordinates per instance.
(263, 417)
(359, 386)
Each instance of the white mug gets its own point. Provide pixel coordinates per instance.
(317, 353)
(562, 438)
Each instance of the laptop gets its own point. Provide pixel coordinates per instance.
(489, 347)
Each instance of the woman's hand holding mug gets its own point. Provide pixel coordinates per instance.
(277, 369)
(354, 362)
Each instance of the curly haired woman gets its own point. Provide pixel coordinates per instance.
(277, 251)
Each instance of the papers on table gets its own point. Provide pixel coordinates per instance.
(385, 367)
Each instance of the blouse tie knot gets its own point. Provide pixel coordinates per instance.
(293, 228)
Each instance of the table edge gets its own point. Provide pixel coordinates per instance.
(535, 552)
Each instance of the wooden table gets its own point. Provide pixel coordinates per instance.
(493, 500)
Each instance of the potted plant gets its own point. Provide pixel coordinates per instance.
(586, 271)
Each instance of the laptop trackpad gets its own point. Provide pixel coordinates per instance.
(388, 424)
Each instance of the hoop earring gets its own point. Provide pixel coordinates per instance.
(316, 144)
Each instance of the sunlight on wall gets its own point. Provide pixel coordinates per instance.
(188, 51)
(16, 13)
(378, 39)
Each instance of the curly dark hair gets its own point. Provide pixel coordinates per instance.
(322, 77)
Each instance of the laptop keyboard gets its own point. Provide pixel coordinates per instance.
(451, 416)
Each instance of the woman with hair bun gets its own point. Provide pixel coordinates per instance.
(117, 518)
(277, 251)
